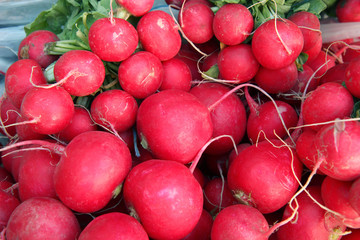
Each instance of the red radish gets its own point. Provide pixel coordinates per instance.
(42, 218)
(136, 8)
(159, 34)
(175, 2)
(322, 63)
(352, 77)
(7, 205)
(314, 50)
(25, 131)
(200, 177)
(141, 74)
(265, 175)
(33, 46)
(277, 43)
(264, 122)
(115, 109)
(202, 229)
(336, 195)
(192, 60)
(354, 196)
(353, 235)
(113, 39)
(9, 157)
(312, 221)
(165, 197)
(5, 175)
(228, 116)
(326, 103)
(237, 63)
(216, 165)
(196, 21)
(335, 74)
(80, 122)
(210, 61)
(128, 137)
(309, 25)
(115, 226)
(303, 78)
(351, 52)
(177, 75)
(173, 125)
(91, 168)
(240, 222)
(278, 80)
(233, 23)
(80, 72)
(21, 76)
(217, 196)
(348, 11)
(339, 150)
(36, 174)
(8, 114)
(49, 110)
(233, 154)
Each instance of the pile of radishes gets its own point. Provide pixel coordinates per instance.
(195, 125)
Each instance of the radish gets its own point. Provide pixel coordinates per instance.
(141, 74)
(113, 39)
(314, 50)
(159, 34)
(351, 52)
(33, 46)
(348, 11)
(335, 74)
(8, 114)
(20, 77)
(277, 43)
(352, 77)
(240, 222)
(136, 8)
(115, 108)
(326, 103)
(90, 171)
(353, 235)
(79, 72)
(202, 229)
(48, 110)
(25, 131)
(303, 78)
(322, 63)
(176, 75)
(165, 197)
(237, 63)
(173, 125)
(233, 23)
(278, 80)
(354, 196)
(42, 218)
(265, 175)
(191, 59)
(115, 226)
(7, 205)
(228, 116)
(196, 20)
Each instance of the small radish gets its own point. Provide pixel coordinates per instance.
(351, 52)
(165, 197)
(233, 23)
(21, 76)
(136, 8)
(114, 226)
(303, 78)
(42, 218)
(314, 50)
(8, 114)
(79, 72)
(177, 75)
(25, 131)
(113, 39)
(202, 230)
(277, 43)
(335, 74)
(354, 196)
(348, 11)
(48, 110)
(321, 64)
(114, 108)
(8, 203)
(192, 61)
(159, 34)
(141, 74)
(173, 125)
(352, 77)
(33, 46)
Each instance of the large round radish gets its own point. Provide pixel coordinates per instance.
(113, 39)
(114, 226)
(262, 175)
(8, 203)
(277, 43)
(173, 125)
(159, 34)
(240, 222)
(91, 169)
(141, 74)
(115, 109)
(228, 116)
(136, 8)
(49, 109)
(42, 218)
(165, 197)
(233, 23)
(81, 72)
(21, 76)
(33, 46)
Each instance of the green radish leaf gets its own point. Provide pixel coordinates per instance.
(213, 72)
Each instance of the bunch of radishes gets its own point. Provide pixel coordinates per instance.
(194, 125)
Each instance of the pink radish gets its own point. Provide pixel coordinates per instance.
(113, 39)
(321, 64)
(315, 50)
(165, 197)
(141, 74)
(277, 43)
(202, 229)
(9, 114)
(303, 78)
(136, 8)
(335, 74)
(177, 75)
(80, 72)
(354, 196)
(348, 11)
(7, 205)
(352, 77)
(233, 23)
(173, 125)
(25, 131)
